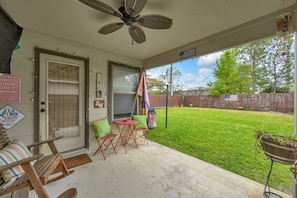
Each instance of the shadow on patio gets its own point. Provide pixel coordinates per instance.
(154, 171)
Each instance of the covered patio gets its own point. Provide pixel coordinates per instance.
(70, 28)
(154, 171)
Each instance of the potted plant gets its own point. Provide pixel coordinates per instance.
(278, 148)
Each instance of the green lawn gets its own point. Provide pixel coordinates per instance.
(226, 138)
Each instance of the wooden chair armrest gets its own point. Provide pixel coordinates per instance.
(20, 162)
(50, 143)
(44, 142)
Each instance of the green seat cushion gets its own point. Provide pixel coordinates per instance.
(101, 128)
(141, 119)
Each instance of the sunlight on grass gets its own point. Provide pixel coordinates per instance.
(226, 138)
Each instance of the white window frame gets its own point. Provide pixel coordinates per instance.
(123, 83)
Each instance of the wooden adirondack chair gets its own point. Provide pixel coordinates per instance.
(35, 175)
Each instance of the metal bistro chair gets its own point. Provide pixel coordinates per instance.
(141, 130)
(103, 135)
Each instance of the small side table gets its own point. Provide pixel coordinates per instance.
(126, 128)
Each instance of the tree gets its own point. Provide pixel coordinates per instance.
(271, 64)
(245, 80)
(279, 65)
(254, 54)
(170, 76)
(231, 77)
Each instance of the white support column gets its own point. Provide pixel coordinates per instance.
(294, 187)
(171, 79)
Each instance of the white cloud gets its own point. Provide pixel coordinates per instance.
(153, 73)
(201, 75)
(208, 61)
(204, 73)
(192, 80)
(205, 66)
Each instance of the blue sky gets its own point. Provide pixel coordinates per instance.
(196, 72)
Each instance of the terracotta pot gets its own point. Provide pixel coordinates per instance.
(285, 154)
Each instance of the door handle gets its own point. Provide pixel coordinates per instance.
(42, 110)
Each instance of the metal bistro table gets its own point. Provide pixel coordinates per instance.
(126, 128)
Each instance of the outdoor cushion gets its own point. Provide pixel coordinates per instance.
(13, 152)
(101, 128)
(142, 122)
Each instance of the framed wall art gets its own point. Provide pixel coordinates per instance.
(99, 103)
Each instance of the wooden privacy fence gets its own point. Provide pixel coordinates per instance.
(280, 102)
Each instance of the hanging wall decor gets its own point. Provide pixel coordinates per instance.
(10, 89)
(98, 85)
(99, 104)
(9, 116)
(284, 23)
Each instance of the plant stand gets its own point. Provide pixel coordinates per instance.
(267, 193)
(276, 152)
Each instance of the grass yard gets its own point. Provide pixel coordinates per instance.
(226, 138)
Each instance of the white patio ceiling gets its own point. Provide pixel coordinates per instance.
(207, 25)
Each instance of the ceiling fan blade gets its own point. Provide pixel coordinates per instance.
(134, 7)
(155, 21)
(137, 34)
(98, 5)
(110, 28)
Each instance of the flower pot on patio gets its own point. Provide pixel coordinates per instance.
(279, 148)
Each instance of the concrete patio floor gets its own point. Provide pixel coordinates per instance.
(154, 171)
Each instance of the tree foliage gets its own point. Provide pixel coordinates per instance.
(279, 65)
(254, 54)
(263, 66)
(232, 77)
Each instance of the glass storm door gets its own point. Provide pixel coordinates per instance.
(62, 101)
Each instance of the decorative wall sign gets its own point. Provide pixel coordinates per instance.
(284, 23)
(188, 53)
(10, 89)
(98, 85)
(99, 103)
(10, 116)
(231, 97)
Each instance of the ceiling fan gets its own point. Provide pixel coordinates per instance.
(129, 13)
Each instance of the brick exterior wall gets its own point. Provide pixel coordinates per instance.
(281, 102)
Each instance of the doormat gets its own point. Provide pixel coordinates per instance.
(75, 161)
